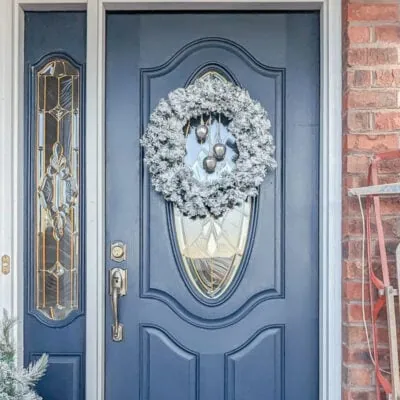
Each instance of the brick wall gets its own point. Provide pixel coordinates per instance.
(371, 123)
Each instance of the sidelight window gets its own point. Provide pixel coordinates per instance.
(57, 197)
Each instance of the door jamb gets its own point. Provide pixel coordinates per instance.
(12, 173)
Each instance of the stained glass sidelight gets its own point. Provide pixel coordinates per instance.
(57, 107)
(212, 248)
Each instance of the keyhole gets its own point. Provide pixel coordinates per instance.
(117, 252)
(117, 282)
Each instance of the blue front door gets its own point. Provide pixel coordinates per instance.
(215, 309)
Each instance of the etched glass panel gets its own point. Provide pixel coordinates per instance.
(57, 108)
(212, 248)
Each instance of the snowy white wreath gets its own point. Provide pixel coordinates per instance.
(165, 146)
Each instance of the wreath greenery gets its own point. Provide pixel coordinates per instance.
(165, 146)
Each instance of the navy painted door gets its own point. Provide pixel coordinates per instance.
(192, 332)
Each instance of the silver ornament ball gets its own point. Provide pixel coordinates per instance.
(201, 132)
(219, 151)
(209, 164)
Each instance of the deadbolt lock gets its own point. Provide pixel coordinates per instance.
(118, 251)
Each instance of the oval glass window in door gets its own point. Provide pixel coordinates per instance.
(212, 248)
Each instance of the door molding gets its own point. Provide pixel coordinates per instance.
(12, 173)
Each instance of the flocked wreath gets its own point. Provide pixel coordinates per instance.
(165, 146)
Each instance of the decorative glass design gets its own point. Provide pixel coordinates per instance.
(57, 109)
(212, 248)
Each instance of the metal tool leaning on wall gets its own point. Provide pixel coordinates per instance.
(381, 291)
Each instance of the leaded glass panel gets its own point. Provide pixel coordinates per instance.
(57, 108)
(212, 248)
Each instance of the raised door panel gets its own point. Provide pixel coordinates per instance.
(168, 370)
(162, 273)
(63, 379)
(255, 370)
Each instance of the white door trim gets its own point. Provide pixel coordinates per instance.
(12, 174)
(11, 159)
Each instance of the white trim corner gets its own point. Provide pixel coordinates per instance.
(330, 203)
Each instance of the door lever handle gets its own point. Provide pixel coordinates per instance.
(118, 288)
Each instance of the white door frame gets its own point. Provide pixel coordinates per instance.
(12, 173)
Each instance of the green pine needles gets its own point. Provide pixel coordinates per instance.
(17, 383)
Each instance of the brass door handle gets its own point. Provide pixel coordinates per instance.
(118, 288)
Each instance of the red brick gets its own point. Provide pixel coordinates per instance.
(357, 57)
(354, 225)
(387, 121)
(358, 34)
(372, 99)
(372, 12)
(377, 267)
(353, 290)
(388, 33)
(391, 226)
(372, 56)
(390, 206)
(357, 164)
(389, 167)
(375, 143)
(358, 121)
(383, 336)
(352, 249)
(387, 78)
(352, 270)
(350, 181)
(351, 227)
(359, 355)
(351, 206)
(354, 335)
(384, 356)
(389, 178)
(358, 376)
(356, 394)
(357, 334)
(359, 78)
(354, 312)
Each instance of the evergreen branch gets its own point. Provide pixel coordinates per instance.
(17, 383)
(36, 370)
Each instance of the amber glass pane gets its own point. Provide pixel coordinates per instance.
(57, 184)
(212, 248)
